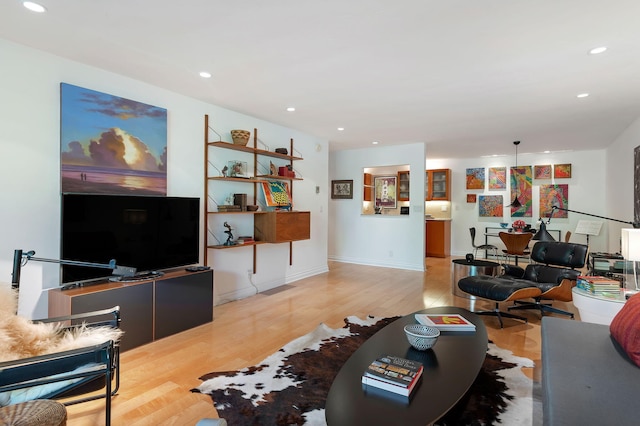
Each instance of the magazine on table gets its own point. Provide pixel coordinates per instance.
(446, 322)
(392, 373)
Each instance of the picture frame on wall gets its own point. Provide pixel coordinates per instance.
(342, 189)
(386, 191)
(562, 171)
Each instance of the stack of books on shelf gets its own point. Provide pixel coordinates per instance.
(229, 208)
(392, 374)
(599, 285)
(446, 322)
(245, 240)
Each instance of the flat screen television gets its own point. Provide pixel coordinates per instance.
(146, 232)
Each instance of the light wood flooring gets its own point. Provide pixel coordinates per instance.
(156, 378)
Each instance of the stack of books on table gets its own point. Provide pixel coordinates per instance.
(599, 285)
(446, 322)
(229, 208)
(393, 374)
(245, 240)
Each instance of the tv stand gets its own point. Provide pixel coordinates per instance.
(151, 308)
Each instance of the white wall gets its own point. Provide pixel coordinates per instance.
(587, 189)
(381, 240)
(30, 172)
(620, 181)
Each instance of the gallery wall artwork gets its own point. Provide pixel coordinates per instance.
(554, 195)
(111, 145)
(385, 191)
(497, 178)
(521, 184)
(562, 171)
(490, 206)
(475, 178)
(542, 172)
(471, 198)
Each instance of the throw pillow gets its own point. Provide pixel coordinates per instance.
(625, 328)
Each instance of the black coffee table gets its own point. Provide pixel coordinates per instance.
(450, 368)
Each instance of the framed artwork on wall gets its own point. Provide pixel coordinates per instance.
(342, 189)
(385, 191)
(497, 178)
(521, 184)
(554, 195)
(475, 178)
(490, 206)
(562, 171)
(542, 172)
(471, 198)
(111, 145)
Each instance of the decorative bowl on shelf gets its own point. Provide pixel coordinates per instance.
(503, 225)
(421, 337)
(252, 208)
(240, 137)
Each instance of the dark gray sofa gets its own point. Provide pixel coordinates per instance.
(587, 379)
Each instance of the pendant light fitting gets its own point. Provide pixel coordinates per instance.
(516, 203)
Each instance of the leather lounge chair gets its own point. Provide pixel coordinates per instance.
(551, 278)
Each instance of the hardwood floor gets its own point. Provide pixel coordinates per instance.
(156, 378)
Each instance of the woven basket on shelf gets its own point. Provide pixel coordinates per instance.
(240, 137)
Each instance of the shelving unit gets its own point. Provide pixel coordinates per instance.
(403, 186)
(255, 180)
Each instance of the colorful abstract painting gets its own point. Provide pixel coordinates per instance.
(542, 172)
(276, 194)
(554, 195)
(562, 171)
(521, 184)
(490, 206)
(111, 145)
(471, 198)
(475, 178)
(497, 178)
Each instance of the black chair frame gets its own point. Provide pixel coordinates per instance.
(34, 371)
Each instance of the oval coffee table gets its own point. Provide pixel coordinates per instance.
(450, 368)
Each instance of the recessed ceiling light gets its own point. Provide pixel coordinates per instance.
(34, 7)
(546, 152)
(583, 95)
(375, 142)
(340, 129)
(205, 74)
(291, 109)
(597, 50)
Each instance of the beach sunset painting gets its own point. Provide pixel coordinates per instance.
(111, 145)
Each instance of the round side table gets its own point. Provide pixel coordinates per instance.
(461, 268)
(595, 308)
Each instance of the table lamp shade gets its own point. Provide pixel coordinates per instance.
(631, 244)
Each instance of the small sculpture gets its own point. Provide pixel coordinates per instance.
(229, 241)
(224, 171)
(273, 169)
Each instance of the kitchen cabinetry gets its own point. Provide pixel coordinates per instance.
(403, 186)
(438, 185)
(438, 238)
(150, 309)
(368, 187)
(253, 181)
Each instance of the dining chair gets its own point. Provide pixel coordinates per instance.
(485, 247)
(516, 244)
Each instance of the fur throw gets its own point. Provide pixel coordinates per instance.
(21, 338)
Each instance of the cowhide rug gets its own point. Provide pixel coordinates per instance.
(290, 386)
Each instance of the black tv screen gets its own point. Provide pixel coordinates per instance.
(146, 232)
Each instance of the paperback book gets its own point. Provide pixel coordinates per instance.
(446, 322)
(394, 374)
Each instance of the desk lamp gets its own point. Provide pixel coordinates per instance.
(543, 234)
(21, 258)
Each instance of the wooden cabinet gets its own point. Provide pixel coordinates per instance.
(150, 309)
(438, 238)
(285, 161)
(438, 185)
(403, 186)
(280, 227)
(368, 187)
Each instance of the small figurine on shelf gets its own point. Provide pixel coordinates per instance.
(229, 241)
(224, 171)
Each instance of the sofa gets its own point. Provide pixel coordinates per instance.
(590, 372)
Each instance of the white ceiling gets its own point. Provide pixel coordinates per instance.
(468, 77)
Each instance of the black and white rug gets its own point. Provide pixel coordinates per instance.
(290, 386)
